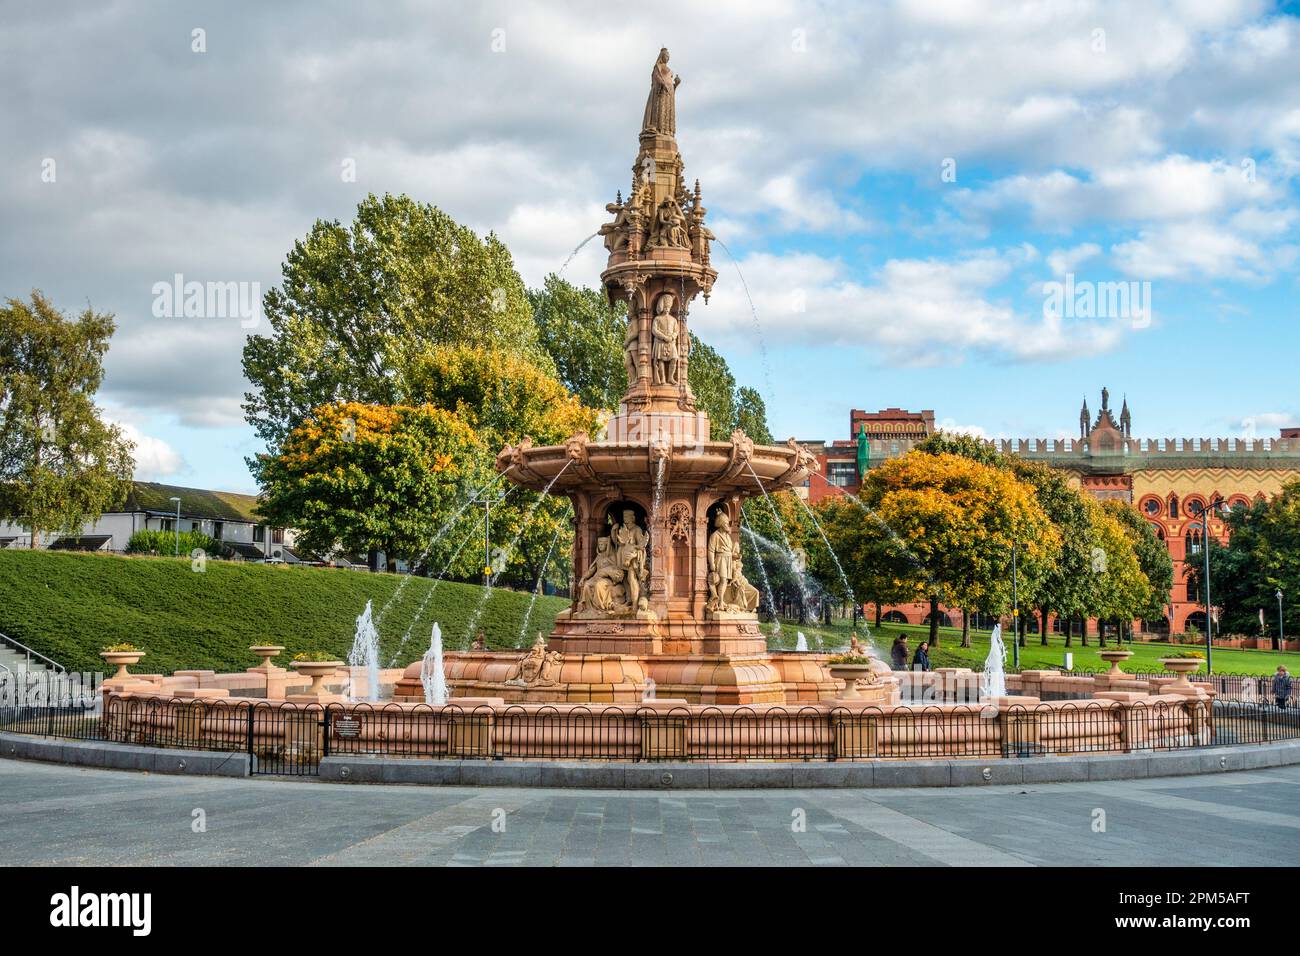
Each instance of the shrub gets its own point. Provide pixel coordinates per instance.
(153, 541)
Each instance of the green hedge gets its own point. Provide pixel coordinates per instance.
(153, 541)
(69, 606)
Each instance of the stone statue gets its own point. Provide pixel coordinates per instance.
(666, 331)
(661, 105)
(631, 540)
(728, 588)
(538, 666)
(615, 232)
(669, 229)
(601, 588)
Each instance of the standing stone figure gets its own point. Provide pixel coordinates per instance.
(728, 588)
(631, 540)
(666, 330)
(661, 105)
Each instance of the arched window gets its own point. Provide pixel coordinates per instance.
(1173, 506)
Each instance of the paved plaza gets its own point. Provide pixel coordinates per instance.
(63, 815)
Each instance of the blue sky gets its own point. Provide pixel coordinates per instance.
(1152, 143)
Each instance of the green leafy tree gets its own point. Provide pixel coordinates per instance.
(1152, 558)
(714, 387)
(370, 478)
(751, 415)
(61, 464)
(1120, 589)
(584, 336)
(954, 521)
(504, 397)
(1262, 556)
(355, 299)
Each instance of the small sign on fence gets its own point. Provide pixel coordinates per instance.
(347, 726)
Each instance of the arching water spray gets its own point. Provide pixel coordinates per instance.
(541, 577)
(762, 573)
(509, 550)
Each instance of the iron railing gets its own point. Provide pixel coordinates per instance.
(291, 739)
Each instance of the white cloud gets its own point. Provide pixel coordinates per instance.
(916, 312)
(1191, 249)
(155, 459)
(1061, 261)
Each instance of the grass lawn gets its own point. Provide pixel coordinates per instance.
(69, 606)
(1033, 655)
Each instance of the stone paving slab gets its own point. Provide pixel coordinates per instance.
(64, 815)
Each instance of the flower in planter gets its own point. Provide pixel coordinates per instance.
(123, 648)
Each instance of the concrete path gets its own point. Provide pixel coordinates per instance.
(52, 814)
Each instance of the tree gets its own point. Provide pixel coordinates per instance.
(714, 387)
(1152, 558)
(954, 521)
(370, 478)
(584, 336)
(751, 415)
(1066, 584)
(1261, 557)
(1120, 589)
(355, 299)
(869, 554)
(504, 397)
(61, 464)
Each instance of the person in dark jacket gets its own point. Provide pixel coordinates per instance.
(921, 659)
(1281, 687)
(898, 653)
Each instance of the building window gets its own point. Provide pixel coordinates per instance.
(842, 474)
(195, 526)
(218, 528)
(277, 536)
(1151, 507)
(1173, 507)
(169, 524)
(259, 533)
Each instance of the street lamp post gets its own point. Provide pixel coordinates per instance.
(1280, 635)
(1015, 612)
(178, 525)
(488, 501)
(1214, 505)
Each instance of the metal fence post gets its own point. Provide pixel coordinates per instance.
(325, 732)
(249, 741)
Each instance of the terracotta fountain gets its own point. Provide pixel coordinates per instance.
(661, 607)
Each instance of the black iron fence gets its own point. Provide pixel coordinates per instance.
(290, 739)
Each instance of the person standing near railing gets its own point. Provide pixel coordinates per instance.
(898, 653)
(1281, 687)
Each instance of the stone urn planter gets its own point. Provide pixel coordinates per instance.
(1114, 658)
(1181, 667)
(317, 671)
(850, 674)
(121, 660)
(267, 652)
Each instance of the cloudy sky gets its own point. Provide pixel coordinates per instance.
(896, 186)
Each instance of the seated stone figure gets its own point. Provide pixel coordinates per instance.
(601, 589)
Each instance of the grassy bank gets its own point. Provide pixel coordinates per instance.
(70, 606)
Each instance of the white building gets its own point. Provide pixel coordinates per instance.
(225, 516)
